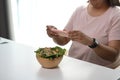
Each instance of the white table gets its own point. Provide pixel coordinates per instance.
(18, 62)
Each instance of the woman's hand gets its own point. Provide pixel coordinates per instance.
(50, 32)
(80, 37)
(58, 36)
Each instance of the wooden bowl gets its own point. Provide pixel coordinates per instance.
(49, 63)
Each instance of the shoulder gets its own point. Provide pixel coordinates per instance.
(116, 9)
(114, 15)
(115, 12)
(80, 9)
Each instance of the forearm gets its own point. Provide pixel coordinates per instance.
(106, 52)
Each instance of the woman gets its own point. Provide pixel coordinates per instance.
(94, 30)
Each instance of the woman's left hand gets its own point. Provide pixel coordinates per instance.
(80, 37)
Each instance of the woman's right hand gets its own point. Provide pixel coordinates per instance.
(50, 32)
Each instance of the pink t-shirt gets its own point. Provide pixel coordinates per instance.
(104, 28)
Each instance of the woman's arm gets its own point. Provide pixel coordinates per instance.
(55, 36)
(109, 52)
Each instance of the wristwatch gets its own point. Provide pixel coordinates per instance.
(94, 44)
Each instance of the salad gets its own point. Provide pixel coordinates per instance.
(50, 52)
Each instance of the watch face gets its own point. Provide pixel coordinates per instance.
(96, 42)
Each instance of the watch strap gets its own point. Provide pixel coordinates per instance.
(94, 44)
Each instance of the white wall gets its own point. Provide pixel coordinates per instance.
(34, 15)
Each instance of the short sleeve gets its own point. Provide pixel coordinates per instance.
(69, 25)
(114, 33)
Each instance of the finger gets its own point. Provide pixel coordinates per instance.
(76, 37)
(72, 35)
(50, 31)
(51, 34)
(50, 27)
